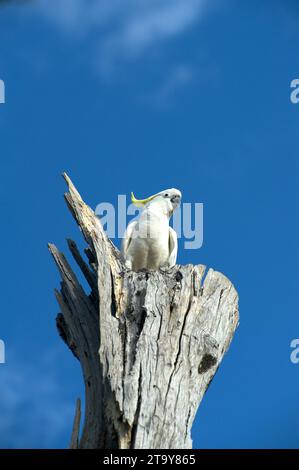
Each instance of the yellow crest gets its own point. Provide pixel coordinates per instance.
(141, 202)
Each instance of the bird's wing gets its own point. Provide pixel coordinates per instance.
(127, 238)
(173, 247)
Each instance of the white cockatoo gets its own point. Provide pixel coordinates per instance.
(150, 243)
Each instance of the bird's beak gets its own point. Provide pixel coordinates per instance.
(141, 202)
(176, 199)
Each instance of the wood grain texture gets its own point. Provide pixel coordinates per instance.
(149, 343)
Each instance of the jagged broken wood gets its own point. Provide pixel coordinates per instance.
(149, 343)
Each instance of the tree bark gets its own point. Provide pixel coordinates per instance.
(149, 343)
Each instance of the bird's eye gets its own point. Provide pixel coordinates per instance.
(166, 195)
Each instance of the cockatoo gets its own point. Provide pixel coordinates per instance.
(150, 243)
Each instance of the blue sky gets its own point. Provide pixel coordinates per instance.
(138, 95)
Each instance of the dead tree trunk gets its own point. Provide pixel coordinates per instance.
(149, 343)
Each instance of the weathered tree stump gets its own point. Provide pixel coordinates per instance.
(149, 343)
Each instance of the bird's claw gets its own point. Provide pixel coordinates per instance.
(124, 271)
(164, 269)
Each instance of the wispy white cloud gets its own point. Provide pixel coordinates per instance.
(155, 22)
(178, 77)
(125, 28)
(34, 413)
